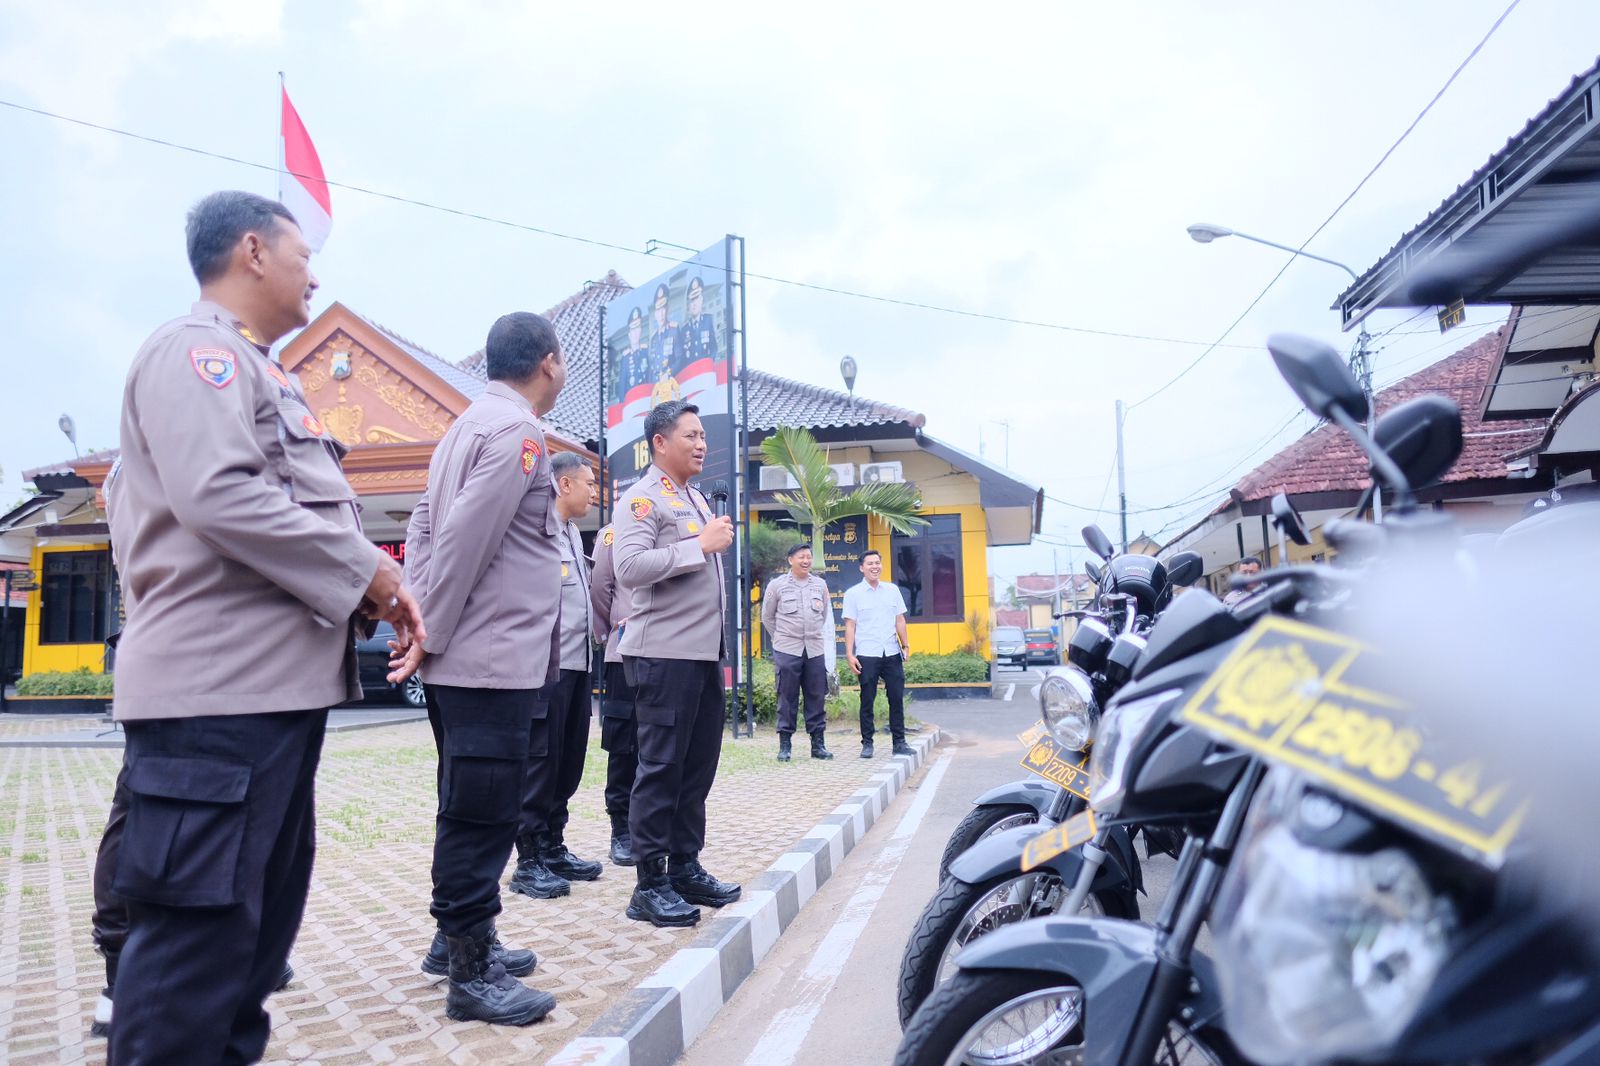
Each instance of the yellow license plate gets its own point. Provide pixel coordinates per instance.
(1070, 770)
(1290, 693)
(1033, 734)
(1079, 829)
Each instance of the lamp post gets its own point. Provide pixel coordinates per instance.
(1360, 364)
(70, 430)
(847, 370)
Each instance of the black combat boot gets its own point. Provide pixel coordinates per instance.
(621, 842)
(866, 748)
(655, 901)
(561, 862)
(533, 877)
(902, 748)
(690, 880)
(284, 978)
(783, 746)
(518, 963)
(819, 750)
(482, 991)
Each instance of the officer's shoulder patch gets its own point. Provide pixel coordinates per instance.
(530, 454)
(217, 367)
(609, 537)
(277, 373)
(311, 423)
(640, 507)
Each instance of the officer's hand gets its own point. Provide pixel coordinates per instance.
(717, 536)
(855, 664)
(403, 660)
(385, 586)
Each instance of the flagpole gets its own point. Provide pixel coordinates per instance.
(277, 150)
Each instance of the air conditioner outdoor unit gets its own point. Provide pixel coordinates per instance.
(871, 472)
(776, 478)
(844, 474)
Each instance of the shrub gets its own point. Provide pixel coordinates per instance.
(844, 707)
(79, 682)
(958, 666)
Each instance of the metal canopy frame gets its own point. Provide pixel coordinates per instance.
(1490, 242)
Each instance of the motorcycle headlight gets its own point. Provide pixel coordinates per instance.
(1120, 731)
(1322, 954)
(1066, 702)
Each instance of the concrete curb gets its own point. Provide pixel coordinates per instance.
(656, 1021)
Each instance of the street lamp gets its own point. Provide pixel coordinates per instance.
(847, 370)
(65, 424)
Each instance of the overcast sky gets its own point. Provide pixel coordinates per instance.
(1036, 162)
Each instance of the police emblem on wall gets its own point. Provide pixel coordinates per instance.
(339, 366)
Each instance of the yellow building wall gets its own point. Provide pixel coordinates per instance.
(40, 658)
(940, 638)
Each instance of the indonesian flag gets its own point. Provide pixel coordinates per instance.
(304, 191)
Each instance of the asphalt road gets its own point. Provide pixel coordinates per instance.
(826, 993)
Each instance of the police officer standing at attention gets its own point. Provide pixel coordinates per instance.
(633, 369)
(666, 340)
(244, 569)
(483, 551)
(545, 867)
(668, 550)
(612, 606)
(796, 610)
(700, 331)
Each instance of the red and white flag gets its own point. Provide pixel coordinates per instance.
(303, 189)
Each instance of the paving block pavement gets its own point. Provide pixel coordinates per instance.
(359, 996)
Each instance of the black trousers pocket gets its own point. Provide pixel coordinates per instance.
(482, 774)
(656, 735)
(186, 824)
(617, 734)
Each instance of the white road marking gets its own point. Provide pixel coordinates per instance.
(780, 1043)
(1011, 690)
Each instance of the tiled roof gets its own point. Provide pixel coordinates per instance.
(1327, 460)
(774, 401)
(67, 466)
(468, 385)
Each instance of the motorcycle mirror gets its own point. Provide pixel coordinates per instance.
(1094, 570)
(1289, 520)
(1184, 569)
(1098, 542)
(1318, 376)
(1422, 436)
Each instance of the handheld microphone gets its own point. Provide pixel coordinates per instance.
(719, 497)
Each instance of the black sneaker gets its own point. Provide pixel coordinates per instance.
(902, 748)
(866, 749)
(533, 878)
(481, 990)
(622, 849)
(656, 902)
(561, 862)
(691, 881)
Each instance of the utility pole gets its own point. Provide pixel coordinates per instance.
(1361, 369)
(1122, 481)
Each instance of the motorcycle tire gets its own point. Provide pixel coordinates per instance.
(953, 1019)
(939, 922)
(979, 823)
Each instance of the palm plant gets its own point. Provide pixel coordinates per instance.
(818, 501)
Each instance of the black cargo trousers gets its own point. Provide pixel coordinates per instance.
(213, 869)
(618, 736)
(485, 738)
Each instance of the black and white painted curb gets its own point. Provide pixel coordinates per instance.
(653, 1023)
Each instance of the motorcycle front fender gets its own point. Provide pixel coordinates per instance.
(1112, 960)
(1030, 792)
(1001, 854)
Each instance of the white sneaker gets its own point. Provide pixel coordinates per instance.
(101, 1026)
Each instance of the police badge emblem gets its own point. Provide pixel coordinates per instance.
(530, 454)
(216, 366)
(639, 507)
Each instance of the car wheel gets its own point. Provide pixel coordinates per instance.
(411, 691)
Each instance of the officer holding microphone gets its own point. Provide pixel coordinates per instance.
(668, 550)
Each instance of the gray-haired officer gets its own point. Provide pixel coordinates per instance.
(483, 550)
(668, 550)
(797, 611)
(241, 550)
(612, 607)
(545, 867)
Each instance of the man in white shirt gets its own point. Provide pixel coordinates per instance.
(876, 644)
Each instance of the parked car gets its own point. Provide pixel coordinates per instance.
(1042, 648)
(373, 654)
(1010, 646)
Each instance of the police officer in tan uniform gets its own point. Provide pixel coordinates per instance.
(668, 551)
(797, 611)
(244, 571)
(612, 606)
(483, 552)
(545, 867)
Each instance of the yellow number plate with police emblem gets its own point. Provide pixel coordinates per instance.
(1069, 770)
(1290, 692)
(1031, 735)
(1079, 829)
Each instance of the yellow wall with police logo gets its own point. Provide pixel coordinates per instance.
(40, 658)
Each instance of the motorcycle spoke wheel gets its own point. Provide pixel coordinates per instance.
(1017, 900)
(1024, 1031)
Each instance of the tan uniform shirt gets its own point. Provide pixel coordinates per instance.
(483, 550)
(242, 558)
(677, 589)
(613, 604)
(576, 620)
(799, 616)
